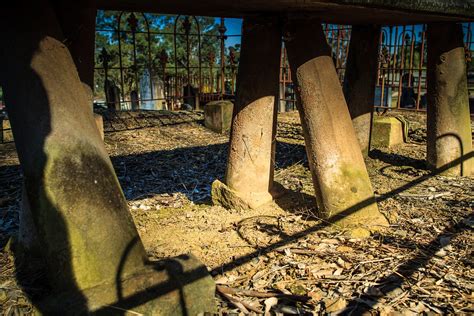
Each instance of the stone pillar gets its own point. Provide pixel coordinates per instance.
(27, 235)
(343, 189)
(360, 79)
(86, 234)
(449, 137)
(249, 176)
(77, 21)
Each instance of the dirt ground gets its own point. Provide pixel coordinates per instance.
(282, 258)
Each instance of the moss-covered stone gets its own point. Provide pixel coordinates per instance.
(449, 135)
(176, 286)
(348, 199)
(359, 233)
(343, 190)
(87, 238)
(6, 132)
(222, 195)
(387, 132)
(218, 116)
(99, 122)
(226, 197)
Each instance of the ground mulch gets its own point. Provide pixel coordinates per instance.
(282, 258)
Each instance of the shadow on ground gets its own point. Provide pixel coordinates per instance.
(190, 171)
(208, 162)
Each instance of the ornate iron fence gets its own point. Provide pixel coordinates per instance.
(152, 61)
(401, 75)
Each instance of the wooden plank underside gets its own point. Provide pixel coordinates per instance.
(336, 11)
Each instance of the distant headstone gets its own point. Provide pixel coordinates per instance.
(387, 97)
(134, 100)
(190, 96)
(112, 95)
(146, 91)
(152, 92)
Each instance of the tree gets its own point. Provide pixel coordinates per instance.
(142, 50)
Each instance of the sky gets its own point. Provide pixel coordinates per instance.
(234, 27)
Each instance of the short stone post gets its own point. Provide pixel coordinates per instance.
(95, 259)
(249, 176)
(360, 79)
(343, 190)
(449, 137)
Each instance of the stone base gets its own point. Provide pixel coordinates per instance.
(218, 116)
(226, 197)
(278, 190)
(6, 132)
(99, 121)
(176, 286)
(387, 132)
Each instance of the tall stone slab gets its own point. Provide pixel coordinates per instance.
(249, 176)
(343, 190)
(449, 135)
(360, 79)
(93, 253)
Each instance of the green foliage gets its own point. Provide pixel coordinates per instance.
(153, 39)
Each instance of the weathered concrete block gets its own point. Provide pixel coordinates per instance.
(386, 132)
(99, 121)
(218, 116)
(7, 135)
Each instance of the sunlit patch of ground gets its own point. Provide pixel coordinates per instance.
(422, 263)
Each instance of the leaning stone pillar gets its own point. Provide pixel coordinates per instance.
(448, 120)
(95, 259)
(249, 176)
(343, 189)
(360, 79)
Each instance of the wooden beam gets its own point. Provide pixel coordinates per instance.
(337, 11)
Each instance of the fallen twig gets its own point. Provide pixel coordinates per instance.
(233, 291)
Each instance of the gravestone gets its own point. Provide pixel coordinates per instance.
(218, 116)
(191, 96)
(112, 95)
(134, 100)
(149, 84)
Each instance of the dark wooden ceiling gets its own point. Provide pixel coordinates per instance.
(335, 11)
